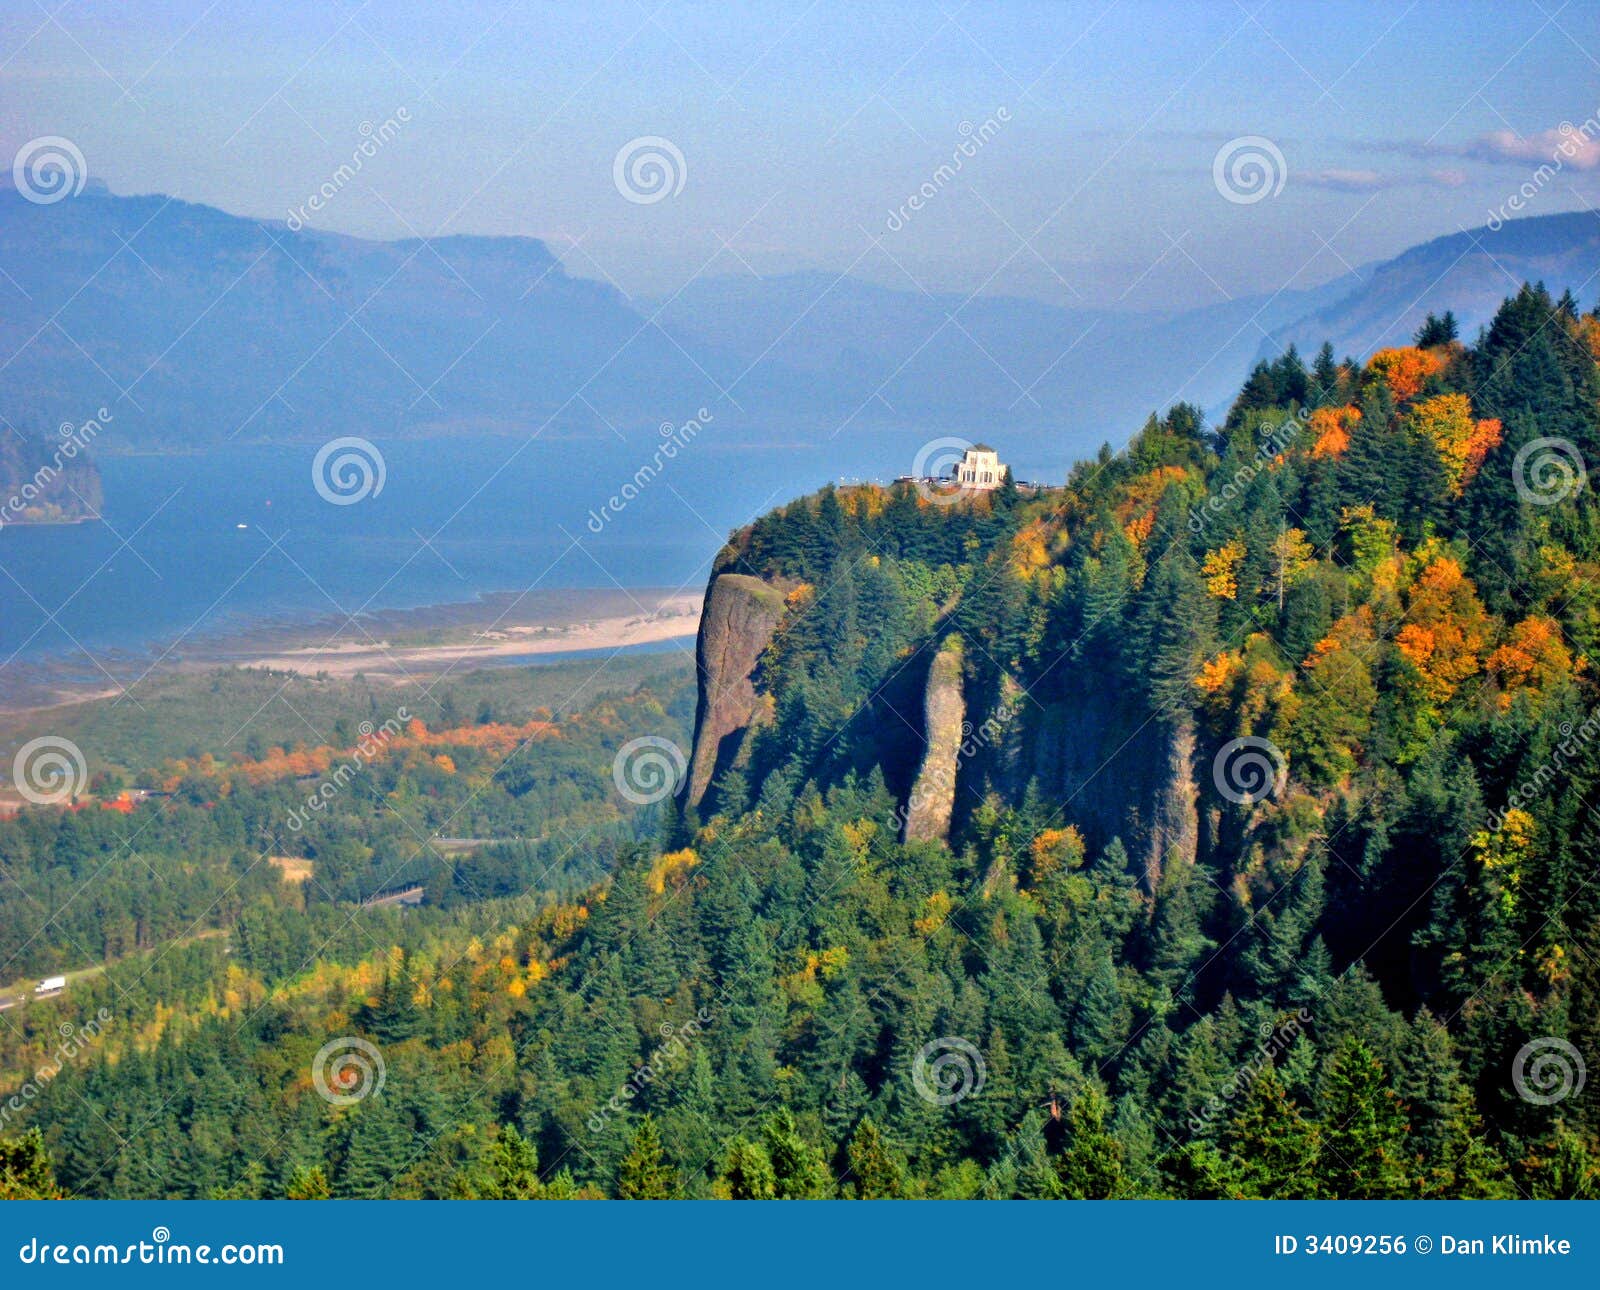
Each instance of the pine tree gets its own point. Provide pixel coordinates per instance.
(25, 1169)
(511, 1169)
(1101, 1020)
(308, 1184)
(1364, 1128)
(1436, 331)
(1273, 1149)
(799, 1170)
(876, 1170)
(1090, 1166)
(747, 1173)
(645, 1173)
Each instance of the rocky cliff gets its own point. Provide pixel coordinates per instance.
(1116, 773)
(933, 794)
(741, 613)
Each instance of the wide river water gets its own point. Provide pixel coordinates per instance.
(204, 544)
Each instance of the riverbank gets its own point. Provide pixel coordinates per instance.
(388, 646)
(669, 619)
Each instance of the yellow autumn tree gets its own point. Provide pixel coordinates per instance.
(1220, 568)
(1533, 657)
(673, 868)
(1503, 853)
(1292, 561)
(1462, 442)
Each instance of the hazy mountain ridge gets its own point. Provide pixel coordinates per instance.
(1469, 272)
(208, 327)
(218, 327)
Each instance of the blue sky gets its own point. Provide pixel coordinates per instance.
(804, 129)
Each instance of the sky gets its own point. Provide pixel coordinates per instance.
(1096, 155)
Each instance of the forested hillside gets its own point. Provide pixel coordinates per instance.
(1246, 783)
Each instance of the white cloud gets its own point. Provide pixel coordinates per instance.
(1575, 146)
(1348, 181)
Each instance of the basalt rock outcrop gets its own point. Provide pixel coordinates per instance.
(933, 793)
(1117, 773)
(740, 615)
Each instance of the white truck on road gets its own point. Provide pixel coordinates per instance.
(51, 985)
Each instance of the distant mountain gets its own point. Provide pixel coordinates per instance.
(202, 328)
(1468, 272)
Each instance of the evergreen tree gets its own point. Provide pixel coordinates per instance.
(1364, 1128)
(875, 1169)
(1090, 1166)
(1272, 1150)
(25, 1169)
(511, 1168)
(645, 1173)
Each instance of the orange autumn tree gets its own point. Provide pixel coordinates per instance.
(1446, 628)
(1405, 369)
(1137, 513)
(1588, 329)
(1533, 657)
(1331, 428)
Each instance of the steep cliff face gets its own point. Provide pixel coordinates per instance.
(741, 613)
(1174, 836)
(933, 794)
(1098, 758)
(1116, 774)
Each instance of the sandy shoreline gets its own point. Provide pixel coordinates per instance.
(500, 628)
(673, 619)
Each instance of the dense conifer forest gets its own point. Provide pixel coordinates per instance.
(1270, 869)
